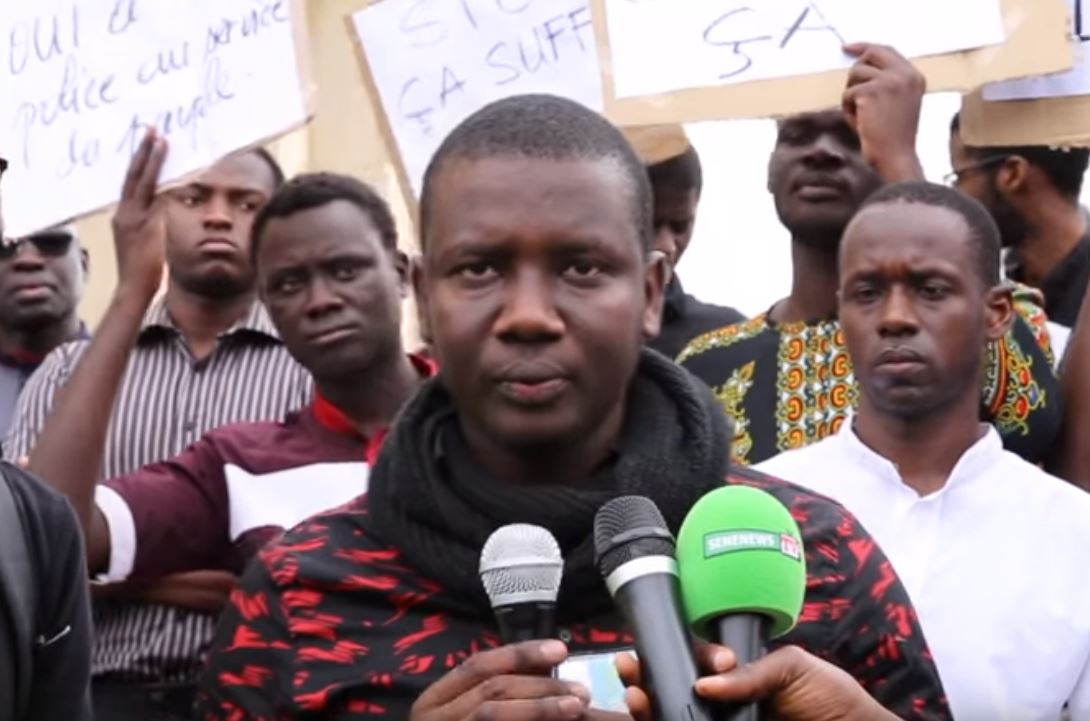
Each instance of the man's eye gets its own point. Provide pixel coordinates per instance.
(865, 294)
(934, 291)
(287, 285)
(477, 271)
(583, 269)
(346, 272)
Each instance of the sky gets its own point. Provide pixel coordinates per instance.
(740, 255)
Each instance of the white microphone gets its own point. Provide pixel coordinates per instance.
(521, 568)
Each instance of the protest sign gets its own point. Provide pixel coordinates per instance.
(1048, 121)
(1049, 109)
(431, 64)
(733, 58)
(1075, 81)
(82, 79)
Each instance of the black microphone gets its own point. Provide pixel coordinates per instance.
(636, 556)
(521, 568)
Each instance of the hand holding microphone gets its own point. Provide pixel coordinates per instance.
(521, 569)
(792, 684)
(743, 579)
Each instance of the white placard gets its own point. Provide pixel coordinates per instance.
(660, 46)
(436, 62)
(81, 79)
(1075, 81)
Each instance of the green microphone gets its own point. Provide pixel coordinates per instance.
(742, 571)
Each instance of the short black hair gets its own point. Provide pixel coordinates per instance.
(313, 190)
(983, 232)
(545, 127)
(681, 172)
(1064, 167)
(274, 167)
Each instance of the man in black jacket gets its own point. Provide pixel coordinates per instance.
(677, 179)
(45, 619)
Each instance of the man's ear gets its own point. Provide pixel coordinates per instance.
(1012, 176)
(85, 262)
(999, 314)
(423, 300)
(656, 276)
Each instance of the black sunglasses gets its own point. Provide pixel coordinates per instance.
(3, 166)
(49, 243)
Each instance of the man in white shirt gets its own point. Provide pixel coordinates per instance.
(993, 550)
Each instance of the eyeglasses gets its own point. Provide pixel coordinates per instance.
(50, 243)
(3, 166)
(956, 176)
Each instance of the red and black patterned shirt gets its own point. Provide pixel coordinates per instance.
(328, 624)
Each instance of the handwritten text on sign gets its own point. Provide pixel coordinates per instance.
(81, 79)
(717, 42)
(436, 62)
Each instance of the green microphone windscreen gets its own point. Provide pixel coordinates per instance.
(740, 551)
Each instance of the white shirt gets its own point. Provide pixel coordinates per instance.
(997, 564)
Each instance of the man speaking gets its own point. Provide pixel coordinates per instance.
(537, 290)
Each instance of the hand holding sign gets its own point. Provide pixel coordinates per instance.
(138, 224)
(882, 102)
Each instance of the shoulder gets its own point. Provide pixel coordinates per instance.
(43, 509)
(793, 464)
(1029, 485)
(327, 547)
(64, 357)
(725, 337)
(719, 315)
(1029, 307)
(247, 434)
(817, 515)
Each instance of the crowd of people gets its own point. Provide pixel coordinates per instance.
(246, 500)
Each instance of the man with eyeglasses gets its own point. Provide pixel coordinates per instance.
(41, 283)
(1032, 193)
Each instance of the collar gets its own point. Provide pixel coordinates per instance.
(257, 320)
(972, 465)
(18, 358)
(332, 418)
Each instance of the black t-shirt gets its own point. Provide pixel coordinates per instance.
(330, 624)
(1065, 285)
(60, 652)
(684, 318)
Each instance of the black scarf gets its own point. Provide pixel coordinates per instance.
(430, 499)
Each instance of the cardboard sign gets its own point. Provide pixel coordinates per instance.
(1036, 32)
(431, 64)
(82, 79)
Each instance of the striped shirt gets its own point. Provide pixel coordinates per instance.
(167, 401)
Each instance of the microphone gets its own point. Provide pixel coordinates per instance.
(635, 554)
(742, 571)
(521, 568)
